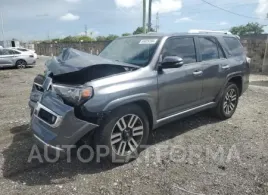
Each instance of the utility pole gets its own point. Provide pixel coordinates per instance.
(2, 26)
(86, 30)
(150, 16)
(157, 22)
(144, 16)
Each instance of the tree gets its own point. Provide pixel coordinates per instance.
(100, 38)
(70, 39)
(111, 37)
(250, 28)
(85, 38)
(125, 34)
(139, 30)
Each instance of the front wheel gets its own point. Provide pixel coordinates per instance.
(228, 102)
(123, 134)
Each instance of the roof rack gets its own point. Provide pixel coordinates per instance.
(209, 31)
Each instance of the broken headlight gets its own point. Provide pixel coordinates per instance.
(74, 95)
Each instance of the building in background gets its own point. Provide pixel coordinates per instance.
(10, 43)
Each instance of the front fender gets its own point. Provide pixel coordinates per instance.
(132, 99)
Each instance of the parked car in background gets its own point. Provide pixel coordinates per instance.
(15, 58)
(136, 84)
(21, 49)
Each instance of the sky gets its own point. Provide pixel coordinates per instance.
(42, 19)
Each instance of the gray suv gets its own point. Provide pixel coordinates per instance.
(136, 84)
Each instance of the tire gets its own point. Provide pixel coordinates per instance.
(116, 127)
(21, 64)
(228, 102)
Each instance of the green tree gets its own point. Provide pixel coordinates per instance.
(125, 34)
(250, 28)
(139, 30)
(100, 38)
(70, 39)
(111, 37)
(85, 38)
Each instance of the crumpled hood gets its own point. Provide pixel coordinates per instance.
(71, 60)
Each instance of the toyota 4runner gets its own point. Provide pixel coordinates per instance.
(136, 84)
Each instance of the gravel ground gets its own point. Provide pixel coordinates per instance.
(196, 155)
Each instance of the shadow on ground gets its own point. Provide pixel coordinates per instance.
(16, 167)
(259, 83)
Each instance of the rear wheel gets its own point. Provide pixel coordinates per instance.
(123, 134)
(21, 64)
(228, 102)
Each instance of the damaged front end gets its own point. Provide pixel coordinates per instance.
(57, 98)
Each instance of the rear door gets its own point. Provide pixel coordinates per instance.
(214, 65)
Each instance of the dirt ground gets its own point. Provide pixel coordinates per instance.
(198, 155)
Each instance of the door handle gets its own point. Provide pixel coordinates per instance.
(198, 73)
(225, 67)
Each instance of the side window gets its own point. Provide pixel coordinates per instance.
(183, 47)
(15, 52)
(234, 46)
(6, 52)
(209, 48)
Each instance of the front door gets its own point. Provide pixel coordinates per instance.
(180, 88)
(6, 57)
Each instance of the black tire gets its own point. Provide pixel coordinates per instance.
(104, 135)
(21, 64)
(226, 104)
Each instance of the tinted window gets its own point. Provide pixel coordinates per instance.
(182, 47)
(1, 51)
(20, 49)
(15, 52)
(7, 52)
(234, 46)
(209, 48)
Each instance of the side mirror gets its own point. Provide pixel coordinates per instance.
(172, 62)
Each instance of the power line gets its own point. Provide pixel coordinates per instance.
(231, 11)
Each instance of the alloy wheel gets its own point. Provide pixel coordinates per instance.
(127, 134)
(230, 101)
(21, 64)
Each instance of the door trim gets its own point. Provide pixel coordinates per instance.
(184, 112)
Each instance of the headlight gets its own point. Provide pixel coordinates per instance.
(74, 95)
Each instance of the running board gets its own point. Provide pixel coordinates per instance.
(197, 109)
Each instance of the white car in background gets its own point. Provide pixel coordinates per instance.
(16, 58)
(21, 49)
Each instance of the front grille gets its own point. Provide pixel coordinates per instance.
(46, 116)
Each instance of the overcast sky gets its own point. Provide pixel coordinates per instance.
(36, 19)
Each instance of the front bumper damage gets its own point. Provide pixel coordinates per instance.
(55, 126)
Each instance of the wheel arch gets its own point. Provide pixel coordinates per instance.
(145, 101)
(19, 60)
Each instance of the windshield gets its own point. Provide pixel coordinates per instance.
(133, 50)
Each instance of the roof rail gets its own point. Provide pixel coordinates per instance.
(209, 31)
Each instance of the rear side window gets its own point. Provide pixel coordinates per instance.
(15, 52)
(20, 49)
(234, 46)
(183, 47)
(209, 48)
